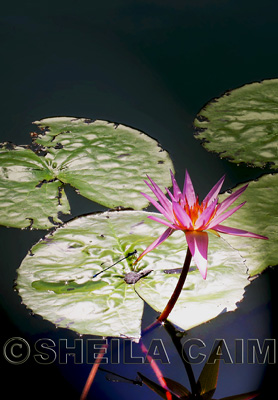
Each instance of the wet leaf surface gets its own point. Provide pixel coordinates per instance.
(242, 125)
(103, 161)
(30, 196)
(106, 162)
(200, 300)
(106, 305)
(259, 215)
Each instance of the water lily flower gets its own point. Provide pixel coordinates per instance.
(184, 212)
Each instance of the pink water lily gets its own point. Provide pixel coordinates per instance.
(184, 212)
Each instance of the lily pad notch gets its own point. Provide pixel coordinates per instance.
(56, 280)
(105, 162)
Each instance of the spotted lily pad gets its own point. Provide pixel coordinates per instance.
(242, 125)
(30, 196)
(59, 278)
(105, 162)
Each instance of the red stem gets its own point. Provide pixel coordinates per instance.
(93, 372)
(170, 305)
(163, 316)
(157, 371)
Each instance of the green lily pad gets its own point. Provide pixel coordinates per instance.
(69, 258)
(200, 300)
(242, 125)
(105, 304)
(30, 196)
(106, 162)
(258, 215)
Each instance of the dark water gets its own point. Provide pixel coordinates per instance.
(151, 65)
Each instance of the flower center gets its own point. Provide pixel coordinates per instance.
(194, 212)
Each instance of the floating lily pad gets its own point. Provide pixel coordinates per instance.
(30, 196)
(259, 215)
(106, 162)
(106, 304)
(242, 125)
(200, 300)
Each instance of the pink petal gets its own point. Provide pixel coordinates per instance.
(166, 214)
(162, 221)
(198, 245)
(188, 190)
(166, 203)
(182, 216)
(237, 232)
(230, 200)
(213, 193)
(156, 243)
(222, 217)
(206, 215)
(176, 189)
(170, 195)
(181, 200)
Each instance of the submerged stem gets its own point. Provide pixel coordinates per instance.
(170, 305)
(93, 372)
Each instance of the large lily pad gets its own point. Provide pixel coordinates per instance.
(30, 196)
(56, 280)
(68, 259)
(259, 215)
(242, 125)
(200, 300)
(106, 162)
